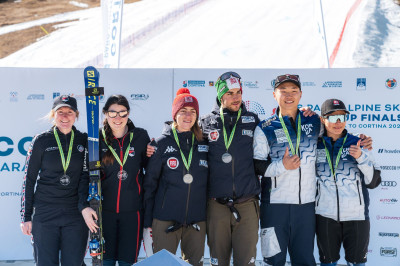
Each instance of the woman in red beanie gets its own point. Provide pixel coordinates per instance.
(175, 185)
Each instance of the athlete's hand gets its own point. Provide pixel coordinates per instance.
(307, 111)
(88, 214)
(150, 149)
(355, 150)
(26, 228)
(290, 162)
(148, 241)
(366, 142)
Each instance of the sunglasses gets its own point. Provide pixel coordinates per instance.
(282, 78)
(227, 75)
(335, 118)
(113, 114)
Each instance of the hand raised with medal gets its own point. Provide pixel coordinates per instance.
(290, 162)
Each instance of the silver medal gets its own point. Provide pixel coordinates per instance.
(226, 157)
(122, 175)
(65, 180)
(188, 178)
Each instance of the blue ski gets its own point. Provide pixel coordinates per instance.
(93, 93)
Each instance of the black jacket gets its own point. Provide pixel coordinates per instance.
(236, 179)
(125, 195)
(167, 196)
(43, 159)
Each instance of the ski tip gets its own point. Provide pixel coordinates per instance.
(90, 71)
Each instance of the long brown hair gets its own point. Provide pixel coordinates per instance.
(108, 157)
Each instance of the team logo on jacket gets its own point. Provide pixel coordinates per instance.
(280, 135)
(203, 163)
(203, 148)
(246, 132)
(345, 152)
(307, 128)
(173, 163)
(131, 152)
(321, 156)
(51, 149)
(169, 149)
(80, 148)
(213, 135)
(248, 119)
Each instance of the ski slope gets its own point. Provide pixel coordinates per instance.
(224, 34)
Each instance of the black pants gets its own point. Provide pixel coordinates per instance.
(55, 230)
(353, 234)
(122, 235)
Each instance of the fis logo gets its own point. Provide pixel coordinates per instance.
(361, 84)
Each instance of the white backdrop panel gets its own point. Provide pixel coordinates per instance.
(26, 95)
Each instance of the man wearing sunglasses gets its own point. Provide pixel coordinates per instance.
(233, 208)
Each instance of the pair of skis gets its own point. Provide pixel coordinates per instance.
(93, 93)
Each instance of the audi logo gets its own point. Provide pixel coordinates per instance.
(389, 183)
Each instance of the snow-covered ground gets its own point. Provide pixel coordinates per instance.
(225, 34)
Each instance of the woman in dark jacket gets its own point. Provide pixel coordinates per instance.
(123, 156)
(176, 184)
(51, 212)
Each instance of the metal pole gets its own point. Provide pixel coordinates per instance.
(323, 27)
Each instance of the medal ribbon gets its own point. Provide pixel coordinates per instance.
(328, 157)
(64, 164)
(294, 152)
(114, 153)
(185, 162)
(228, 143)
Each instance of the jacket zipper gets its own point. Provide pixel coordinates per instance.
(275, 181)
(163, 199)
(188, 197)
(299, 183)
(337, 191)
(319, 193)
(358, 189)
(120, 169)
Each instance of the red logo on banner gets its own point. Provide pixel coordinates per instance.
(173, 163)
(213, 135)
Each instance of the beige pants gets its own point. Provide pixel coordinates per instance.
(225, 234)
(192, 241)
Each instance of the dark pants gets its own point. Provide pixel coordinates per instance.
(55, 230)
(288, 227)
(192, 241)
(225, 234)
(122, 235)
(353, 234)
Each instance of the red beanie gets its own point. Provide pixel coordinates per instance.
(183, 99)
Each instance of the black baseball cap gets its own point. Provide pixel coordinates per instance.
(332, 105)
(65, 100)
(287, 78)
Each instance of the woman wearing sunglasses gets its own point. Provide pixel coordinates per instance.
(176, 184)
(344, 171)
(123, 157)
(51, 205)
